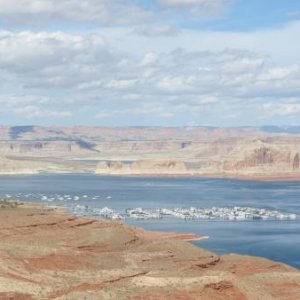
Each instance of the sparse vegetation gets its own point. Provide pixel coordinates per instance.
(8, 204)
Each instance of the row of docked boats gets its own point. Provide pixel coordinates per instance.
(215, 213)
(236, 213)
(54, 197)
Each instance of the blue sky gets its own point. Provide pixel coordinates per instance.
(242, 15)
(150, 63)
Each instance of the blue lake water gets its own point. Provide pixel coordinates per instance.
(273, 239)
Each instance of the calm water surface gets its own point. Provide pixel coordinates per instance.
(277, 240)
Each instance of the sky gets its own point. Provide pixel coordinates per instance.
(150, 62)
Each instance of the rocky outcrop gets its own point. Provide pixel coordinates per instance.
(142, 167)
(43, 148)
(245, 159)
(10, 167)
(48, 254)
(262, 158)
(295, 161)
(33, 165)
(196, 151)
(248, 158)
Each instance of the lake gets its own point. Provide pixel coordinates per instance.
(273, 239)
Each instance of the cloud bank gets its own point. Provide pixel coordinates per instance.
(135, 69)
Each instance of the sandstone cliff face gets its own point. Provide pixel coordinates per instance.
(141, 146)
(142, 167)
(41, 148)
(8, 167)
(262, 158)
(199, 151)
(29, 166)
(249, 158)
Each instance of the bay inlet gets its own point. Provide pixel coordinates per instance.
(272, 238)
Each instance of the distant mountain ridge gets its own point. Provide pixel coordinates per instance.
(75, 132)
(268, 151)
(281, 129)
(134, 133)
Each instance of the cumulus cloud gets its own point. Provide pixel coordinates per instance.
(143, 110)
(15, 101)
(54, 59)
(108, 12)
(283, 109)
(103, 11)
(33, 107)
(59, 74)
(35, 112)
(149, 58)
(124, 60)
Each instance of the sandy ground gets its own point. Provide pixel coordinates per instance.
(46, 253)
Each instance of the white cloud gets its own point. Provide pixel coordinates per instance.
(109, 12)
(280, 73)
(282, 109)
(32, 106)
(121, 84)
(279, 43)
(153, 30)
(153, 110)
(103, 11)
(15, 101)
(35, 112)
(55, 74)
(176, 84)
(207, 100)
(53, 59)
(149, 59)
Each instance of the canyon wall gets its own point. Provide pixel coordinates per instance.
(263, 158)
(197, 151)
(148, 167)
(251, 158)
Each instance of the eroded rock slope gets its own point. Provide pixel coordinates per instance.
(46, 254)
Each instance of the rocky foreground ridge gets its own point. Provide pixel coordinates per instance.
(48, 254)
(258, 153)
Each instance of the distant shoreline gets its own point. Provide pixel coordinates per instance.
(258, 178)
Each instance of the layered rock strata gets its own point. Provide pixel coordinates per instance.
(48, 254)
(254, 158)
(254, 153)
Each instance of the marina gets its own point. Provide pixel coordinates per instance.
(245, 217)
(214, 213)
(235, 213)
